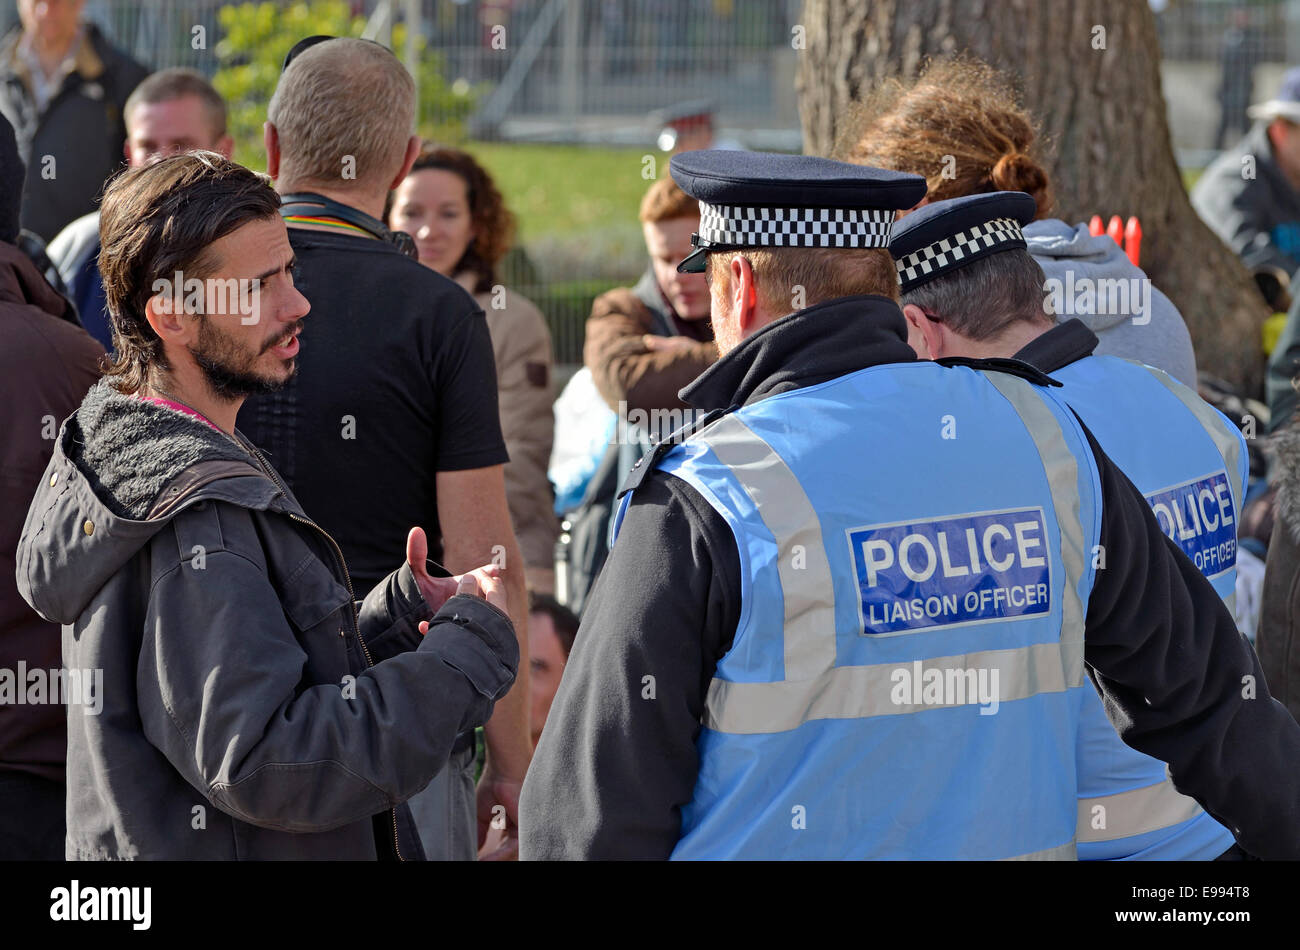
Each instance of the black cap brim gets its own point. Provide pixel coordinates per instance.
(695, 262)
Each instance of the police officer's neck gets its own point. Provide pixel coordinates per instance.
(1005, 344)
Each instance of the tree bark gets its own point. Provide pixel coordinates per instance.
(1102, 113)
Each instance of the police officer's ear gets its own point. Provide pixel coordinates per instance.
(744, 294)
(924, 334)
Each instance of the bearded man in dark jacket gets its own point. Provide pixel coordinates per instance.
(235, 701)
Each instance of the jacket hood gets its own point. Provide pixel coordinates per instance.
(117, 460)
(1068, 252)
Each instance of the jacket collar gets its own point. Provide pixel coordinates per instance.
(827, 340)
(1060, 346)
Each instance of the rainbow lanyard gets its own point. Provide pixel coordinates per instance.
(327, 222)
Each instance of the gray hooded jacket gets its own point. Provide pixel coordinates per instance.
(1115, 300)
(235, 703)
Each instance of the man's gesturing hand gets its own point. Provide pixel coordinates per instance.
(482, 582)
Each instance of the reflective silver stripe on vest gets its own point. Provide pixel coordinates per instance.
(1062, 470)
(814, 688)
(856, 692)
(1213, 424)
(809, 594)
(1064, 852)
(1135, 812)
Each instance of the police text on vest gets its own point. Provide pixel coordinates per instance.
(948, 571)
(1200, 518)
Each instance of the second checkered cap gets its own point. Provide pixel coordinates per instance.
(762, 199)
(947, 235)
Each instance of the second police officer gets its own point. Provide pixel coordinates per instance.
(846, 615)
(971, 289)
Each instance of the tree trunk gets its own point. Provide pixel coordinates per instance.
(1102, 115)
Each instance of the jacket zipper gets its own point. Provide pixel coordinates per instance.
(352, 597)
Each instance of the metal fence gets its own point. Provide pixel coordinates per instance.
(1197, 29)
(591, 71)
(594, 71)
(588, 70)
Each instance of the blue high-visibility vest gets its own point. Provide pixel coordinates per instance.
(1191, 465)
(907, 671)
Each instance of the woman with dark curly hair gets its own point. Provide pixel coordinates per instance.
(959, 124)
(462, 229)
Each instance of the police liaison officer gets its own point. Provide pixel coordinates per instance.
(814, 636)
(971, 289)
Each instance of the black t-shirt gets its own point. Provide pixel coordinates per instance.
(396, 382)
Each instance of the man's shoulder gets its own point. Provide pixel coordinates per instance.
(620, 302)
(413, 291)
(517, 319)
(63, 343)
(120, 66)
(1226, 177)
(72, 245)
(1226, 169)
(227, 515)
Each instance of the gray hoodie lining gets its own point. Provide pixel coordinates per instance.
(129, 449)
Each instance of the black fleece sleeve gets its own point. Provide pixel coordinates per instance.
(1180, 683)
(617, 758)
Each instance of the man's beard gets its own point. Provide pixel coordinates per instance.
(228, 368)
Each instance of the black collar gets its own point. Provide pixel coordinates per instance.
(827, 340)
(1060, 346)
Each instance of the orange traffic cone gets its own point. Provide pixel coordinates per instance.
(1133, 240)
(1115, 230)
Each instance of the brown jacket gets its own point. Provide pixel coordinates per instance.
(521, 344)
(46, 367)
(621, 366)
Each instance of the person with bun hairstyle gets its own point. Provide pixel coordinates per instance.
(959, 125)
(462, 229)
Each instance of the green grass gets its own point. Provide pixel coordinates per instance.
(567, 190)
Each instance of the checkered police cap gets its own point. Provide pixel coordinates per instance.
(947, 235)
(759, 199)
(751, 226)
